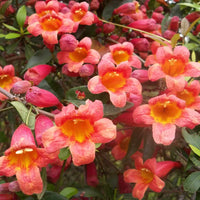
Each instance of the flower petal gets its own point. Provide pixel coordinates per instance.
(163, 134)
(139, 190)
(118, 99)
(132, 176)
(156, 184)
(30, 181)
(82, 153)
(155, 72)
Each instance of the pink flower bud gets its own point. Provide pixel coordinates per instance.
(159, 9)
(174, 23)
(68, 42)
(41, 98)
(91, 175)
(125, 9)
(158, 17)
(193, 16)
(168, 34)
(20, 87)
(108, 28)
(141, 75)
(141, 44)
(144, 24)
(66, 71)
(86, 70)
(126, 20)
(94, 5)
(14, 186)
(37, 74)
(42, 123)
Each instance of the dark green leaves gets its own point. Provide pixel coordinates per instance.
(64, 153)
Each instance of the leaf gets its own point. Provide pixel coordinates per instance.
(12, 28)
(28, 51)
(192, 5)
(12, 47)
(44, 180)
(184, 26)
(192, 139)
(42, 56)
(24, 112)
(193, 56)
(49, 195)
(195, 150)
(191, 46)
(174, 40)
(2, 35)
(192, 182)
(4, 7)
(69, 192)
(12, 36)
(64, 153)
(90, 192)
(21, 16)
(195, 160)
(165, 23)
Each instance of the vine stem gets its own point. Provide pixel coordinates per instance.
(159, 38)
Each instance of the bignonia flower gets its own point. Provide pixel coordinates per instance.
(122, 53)
(164, 113)
(80, 55)
(24, 160)
(80, 130)
(147, 175)
(7, 79)
(190, 94)
(116, 81)
(173, 65)
(79, 14)
(48, 22)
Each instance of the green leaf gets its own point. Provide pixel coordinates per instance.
(192, 139)
(195, 160)
(4, 7)
(1, 48)
(2, 35)
(44, 180)
(191, 46)
(12, 36)
(97, 145)
(195, 150)
(192, 182)
(12, 28)
(192, 5)
(28, 51)
(193, 56)
(184, 26)
(64, 153)
(42, 56)
(21, 16)
(175, 39)
(24, 113)
(69, 192)
(53, 196)
(165, 23)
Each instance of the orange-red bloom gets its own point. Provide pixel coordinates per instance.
(148, 174)
(80, 130)
(7, 79)
(24, 160)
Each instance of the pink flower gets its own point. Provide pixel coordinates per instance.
(164, 113)
(79, 14)
(116, 81)
(173, 65)
(48, 22)
(80, 55)
(122, 53)
(20, 87)
(7, 79)
(24, 160)
(80, 130)
(41, 98)
(148, 174)
(37, 73)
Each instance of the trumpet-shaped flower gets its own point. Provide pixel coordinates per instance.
(7, 79)
(190, 94)
(80, 130)
(48, 22)
(164, 113)
(79, 14)
(173, 65)
(122, 53)
(24, 160)
(116, 81)
(80, 55)
(148, 174)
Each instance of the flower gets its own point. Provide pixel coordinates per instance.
(7, 79)
(79, 14)
(80, 130)
(148, 174)
(164, 113)
(122, 53)
(24, 160)
(80, 55)
(173, 65)
(48, 22)
(116, 81)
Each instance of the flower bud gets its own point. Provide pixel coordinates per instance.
(68, 42)
(174, 23)
(20, 87)
(91, 175)
(41, 98)
(14, 186)
(37, 74)
(86, 70)
(141, 75)
(141, 44)
(144, 24)
(108, 28)
(168, 34)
